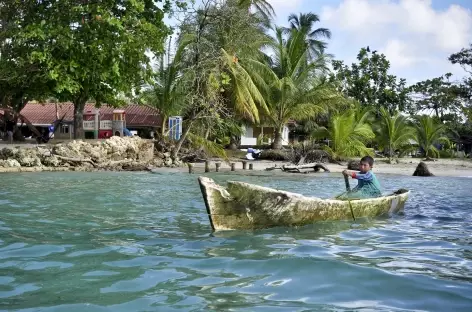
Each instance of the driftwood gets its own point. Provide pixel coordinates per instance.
(77, 160)
(306, 168)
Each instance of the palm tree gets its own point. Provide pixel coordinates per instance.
(262, 6)
(305, 23)
(165, 93)
(348, 134)
(428, 133)
(393, 132)
(293, 89)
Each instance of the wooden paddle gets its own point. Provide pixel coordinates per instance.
(346, 181)
(348, 189)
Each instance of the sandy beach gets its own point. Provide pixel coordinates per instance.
(406, 166)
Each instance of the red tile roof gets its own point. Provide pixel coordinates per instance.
(45, 114)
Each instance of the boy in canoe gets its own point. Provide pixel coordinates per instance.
(367, 184)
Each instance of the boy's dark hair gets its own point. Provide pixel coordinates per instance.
(368, 160)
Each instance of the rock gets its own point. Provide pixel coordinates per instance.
(136, 167)
(168, 162)
(51, 161)
(166, 155)
(157, 162)
(353, 165)
(10, 163)
(422, 171)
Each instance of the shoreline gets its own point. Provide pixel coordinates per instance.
(405, 167)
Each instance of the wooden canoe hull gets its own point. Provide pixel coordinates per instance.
(246, 206)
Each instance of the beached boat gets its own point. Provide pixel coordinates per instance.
(246, 206)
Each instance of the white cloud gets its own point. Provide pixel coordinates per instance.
(409, 32)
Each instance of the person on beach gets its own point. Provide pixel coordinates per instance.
(367, 184)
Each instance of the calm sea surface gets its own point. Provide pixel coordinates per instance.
(142, 242)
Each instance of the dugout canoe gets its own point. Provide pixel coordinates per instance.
(244, 206)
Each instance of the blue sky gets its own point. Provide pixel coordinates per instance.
(417, 36)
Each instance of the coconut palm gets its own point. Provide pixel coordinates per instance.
(305, 23)
(429, 132)
(393, 132)
(293, 90)
(165, 93)
(261, 6)
(348, 134)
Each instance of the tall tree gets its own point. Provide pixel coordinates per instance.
(305, 23)
(96, 49)
(464, 58)
(370, 83)
(165, 92)
(440, 95)
(23, 75)
(294, 91)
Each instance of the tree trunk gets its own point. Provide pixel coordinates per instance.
(181, 141)
(79, 119)
(277, 144)
(163, 125)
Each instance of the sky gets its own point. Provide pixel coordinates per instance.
(416, 36)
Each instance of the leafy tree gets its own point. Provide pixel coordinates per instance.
(348, 133)
(393, 132)
(429, 133)
(370, 83)
(440, 95)
(22, 78)
(96, 49)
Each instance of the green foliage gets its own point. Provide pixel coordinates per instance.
(430, 132)
(464, 58)
(370, 83)
(393, 132)
(166, 92)
(23, 72)
(94, 50)
(293, 89)
(440, 95)
(211, 148)
(348, 134)
(304, 23)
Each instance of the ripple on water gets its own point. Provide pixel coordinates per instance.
(138, 242)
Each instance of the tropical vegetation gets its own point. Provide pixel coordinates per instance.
(227, 65)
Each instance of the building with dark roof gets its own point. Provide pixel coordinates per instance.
(140, 119)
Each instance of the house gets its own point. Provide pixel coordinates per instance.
(138, 119)
(253, 135)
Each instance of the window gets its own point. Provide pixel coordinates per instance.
(65, 129)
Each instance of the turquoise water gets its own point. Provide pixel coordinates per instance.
(142, 242)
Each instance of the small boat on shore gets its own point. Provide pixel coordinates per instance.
(244, 206)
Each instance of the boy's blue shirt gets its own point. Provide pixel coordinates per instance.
(367, 185)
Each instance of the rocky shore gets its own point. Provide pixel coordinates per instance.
(116, 153)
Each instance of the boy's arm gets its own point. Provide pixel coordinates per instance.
(361, 176)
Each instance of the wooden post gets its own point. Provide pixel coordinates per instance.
(244, 164)
(217, 165)
(207, 166)
(190, 168)
(233, 166)
(251, 166)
